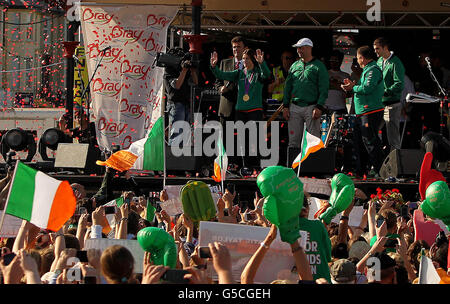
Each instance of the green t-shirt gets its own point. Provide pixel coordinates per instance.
(391, 236)
(317, 246)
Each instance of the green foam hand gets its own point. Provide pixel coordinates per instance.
(160, 244)
(437, 202)
(283, 193)
(342, 193)
(197, 201)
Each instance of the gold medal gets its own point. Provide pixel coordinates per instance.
(246, 97)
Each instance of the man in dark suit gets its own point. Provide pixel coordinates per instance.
(228, 90)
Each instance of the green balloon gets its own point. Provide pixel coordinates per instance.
(160, 244)
(283, 192)
(342, 193)
(197, 201)
(437, 202)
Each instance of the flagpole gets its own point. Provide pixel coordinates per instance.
(301, 149)
(222, 173)
(9, 192)
(164, 151)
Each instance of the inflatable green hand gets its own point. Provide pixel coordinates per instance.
(437, 202)
(197, 201)
(283, 192)
(160, 244)
(342, 193)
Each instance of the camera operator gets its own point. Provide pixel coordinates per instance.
(177, 83)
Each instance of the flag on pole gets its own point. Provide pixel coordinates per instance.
(144, 154)
(427, 271)
(220, 163)
(310, 144)
(40, 199)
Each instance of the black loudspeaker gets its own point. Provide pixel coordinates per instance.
(320, 162)
(81, 157)
(403, 162)
(184, 162)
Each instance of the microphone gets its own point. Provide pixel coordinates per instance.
(105, 49)
(427, 59)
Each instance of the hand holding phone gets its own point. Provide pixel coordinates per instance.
(204, 252)
(380, 221)
(82, 256)
(110, 210)
(7, 258)
(175, 276)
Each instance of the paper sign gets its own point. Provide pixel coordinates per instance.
(11, 226)
(354, 219)
(173, 205)
(132, 245)
(242, 242)
(314, 206)
(316, 186)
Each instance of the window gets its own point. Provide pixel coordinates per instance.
(14, 27)
(27, 27)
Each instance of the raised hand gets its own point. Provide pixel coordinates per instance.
(13, 272)
(221, 262)
(259, 56)
(214, 59)
(151, 273)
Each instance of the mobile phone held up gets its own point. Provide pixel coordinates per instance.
(380, 221)
(82, 256)
(110, 210)
(175, 276)
(7, 258)
(204, 252)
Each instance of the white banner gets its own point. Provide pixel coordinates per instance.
(242, 242)
(11, 226)
(132, 245)
(126, 91)
(316, 186)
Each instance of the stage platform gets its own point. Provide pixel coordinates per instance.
(246, 187)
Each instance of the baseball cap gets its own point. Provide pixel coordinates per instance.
(343, 271)
(303, 42)
(358, 250)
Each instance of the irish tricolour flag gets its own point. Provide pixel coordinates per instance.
(220, 163)
(40, 199)
(144, 154)
(310, 144)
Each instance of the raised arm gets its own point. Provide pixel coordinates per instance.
(249, 272)
(124, 210)
(301, 262)
(221, 262)
(60, 244)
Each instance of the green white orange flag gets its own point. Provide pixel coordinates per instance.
(144, 154)
(310, 144)
(220, 163)
(40, 199)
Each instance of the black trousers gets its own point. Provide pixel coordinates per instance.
(250, 143)
(367, 128)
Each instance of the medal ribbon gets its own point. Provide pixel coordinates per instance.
(247, 82)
